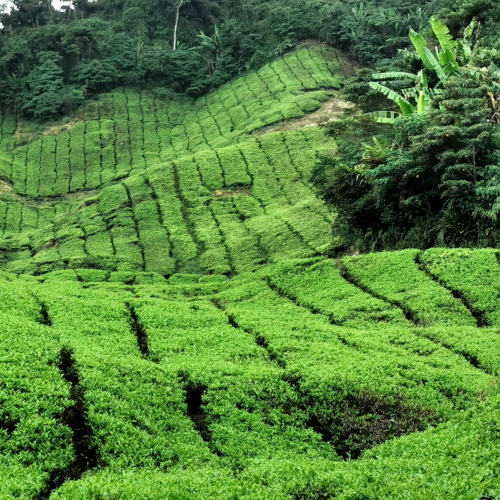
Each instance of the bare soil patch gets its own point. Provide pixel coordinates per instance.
(331, 110)
(5, 188)
(61, 127)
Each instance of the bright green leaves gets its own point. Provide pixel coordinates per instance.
(448, 44)
(420, 44)
(405, 106)
(244, 200)
(415, 87)
(296, 366)
(444, 62)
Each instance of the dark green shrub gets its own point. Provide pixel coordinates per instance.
(437, 184)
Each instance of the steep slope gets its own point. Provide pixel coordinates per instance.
(173, 326)
(127, 131)
(174, 178)
(222, 211)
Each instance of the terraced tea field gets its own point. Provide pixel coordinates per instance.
(173, 326)
(133, 182)
(272, 384)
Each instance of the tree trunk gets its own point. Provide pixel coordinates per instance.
(177, 23)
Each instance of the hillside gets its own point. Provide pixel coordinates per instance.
(262, 386)
(136, 182)
(174, 324)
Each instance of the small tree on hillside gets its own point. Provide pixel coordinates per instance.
(46, 95)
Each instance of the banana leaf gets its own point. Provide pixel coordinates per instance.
(469, 31)
(434, 63)
(494, 71)
(464, 50)
(428, 58)
(423, 103)
(422, 77)
(405, 106)
(447, 59)
(443, 35)
(419, 42)
(394, 75)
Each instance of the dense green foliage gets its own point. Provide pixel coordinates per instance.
(258, 386)
(97, 46)
(176, 319)
(446, 168)
(434, 176)
(183, 186)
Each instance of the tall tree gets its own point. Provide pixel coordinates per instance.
(28, 13)
(46, 94)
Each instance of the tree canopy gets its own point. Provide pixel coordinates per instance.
(433, 176)
(108, 43)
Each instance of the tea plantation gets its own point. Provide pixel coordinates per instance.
(174, 326)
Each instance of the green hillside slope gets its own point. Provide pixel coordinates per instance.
(167, 186)
(261, 386)
(222, 211)
(173, 324)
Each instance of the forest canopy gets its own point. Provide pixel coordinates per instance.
(51, 60)
(431, 175)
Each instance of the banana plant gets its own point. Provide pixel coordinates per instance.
(412, 87)
(415, 95)
(373, 155)
(212, 47)
(445, 60)
(405, 106)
